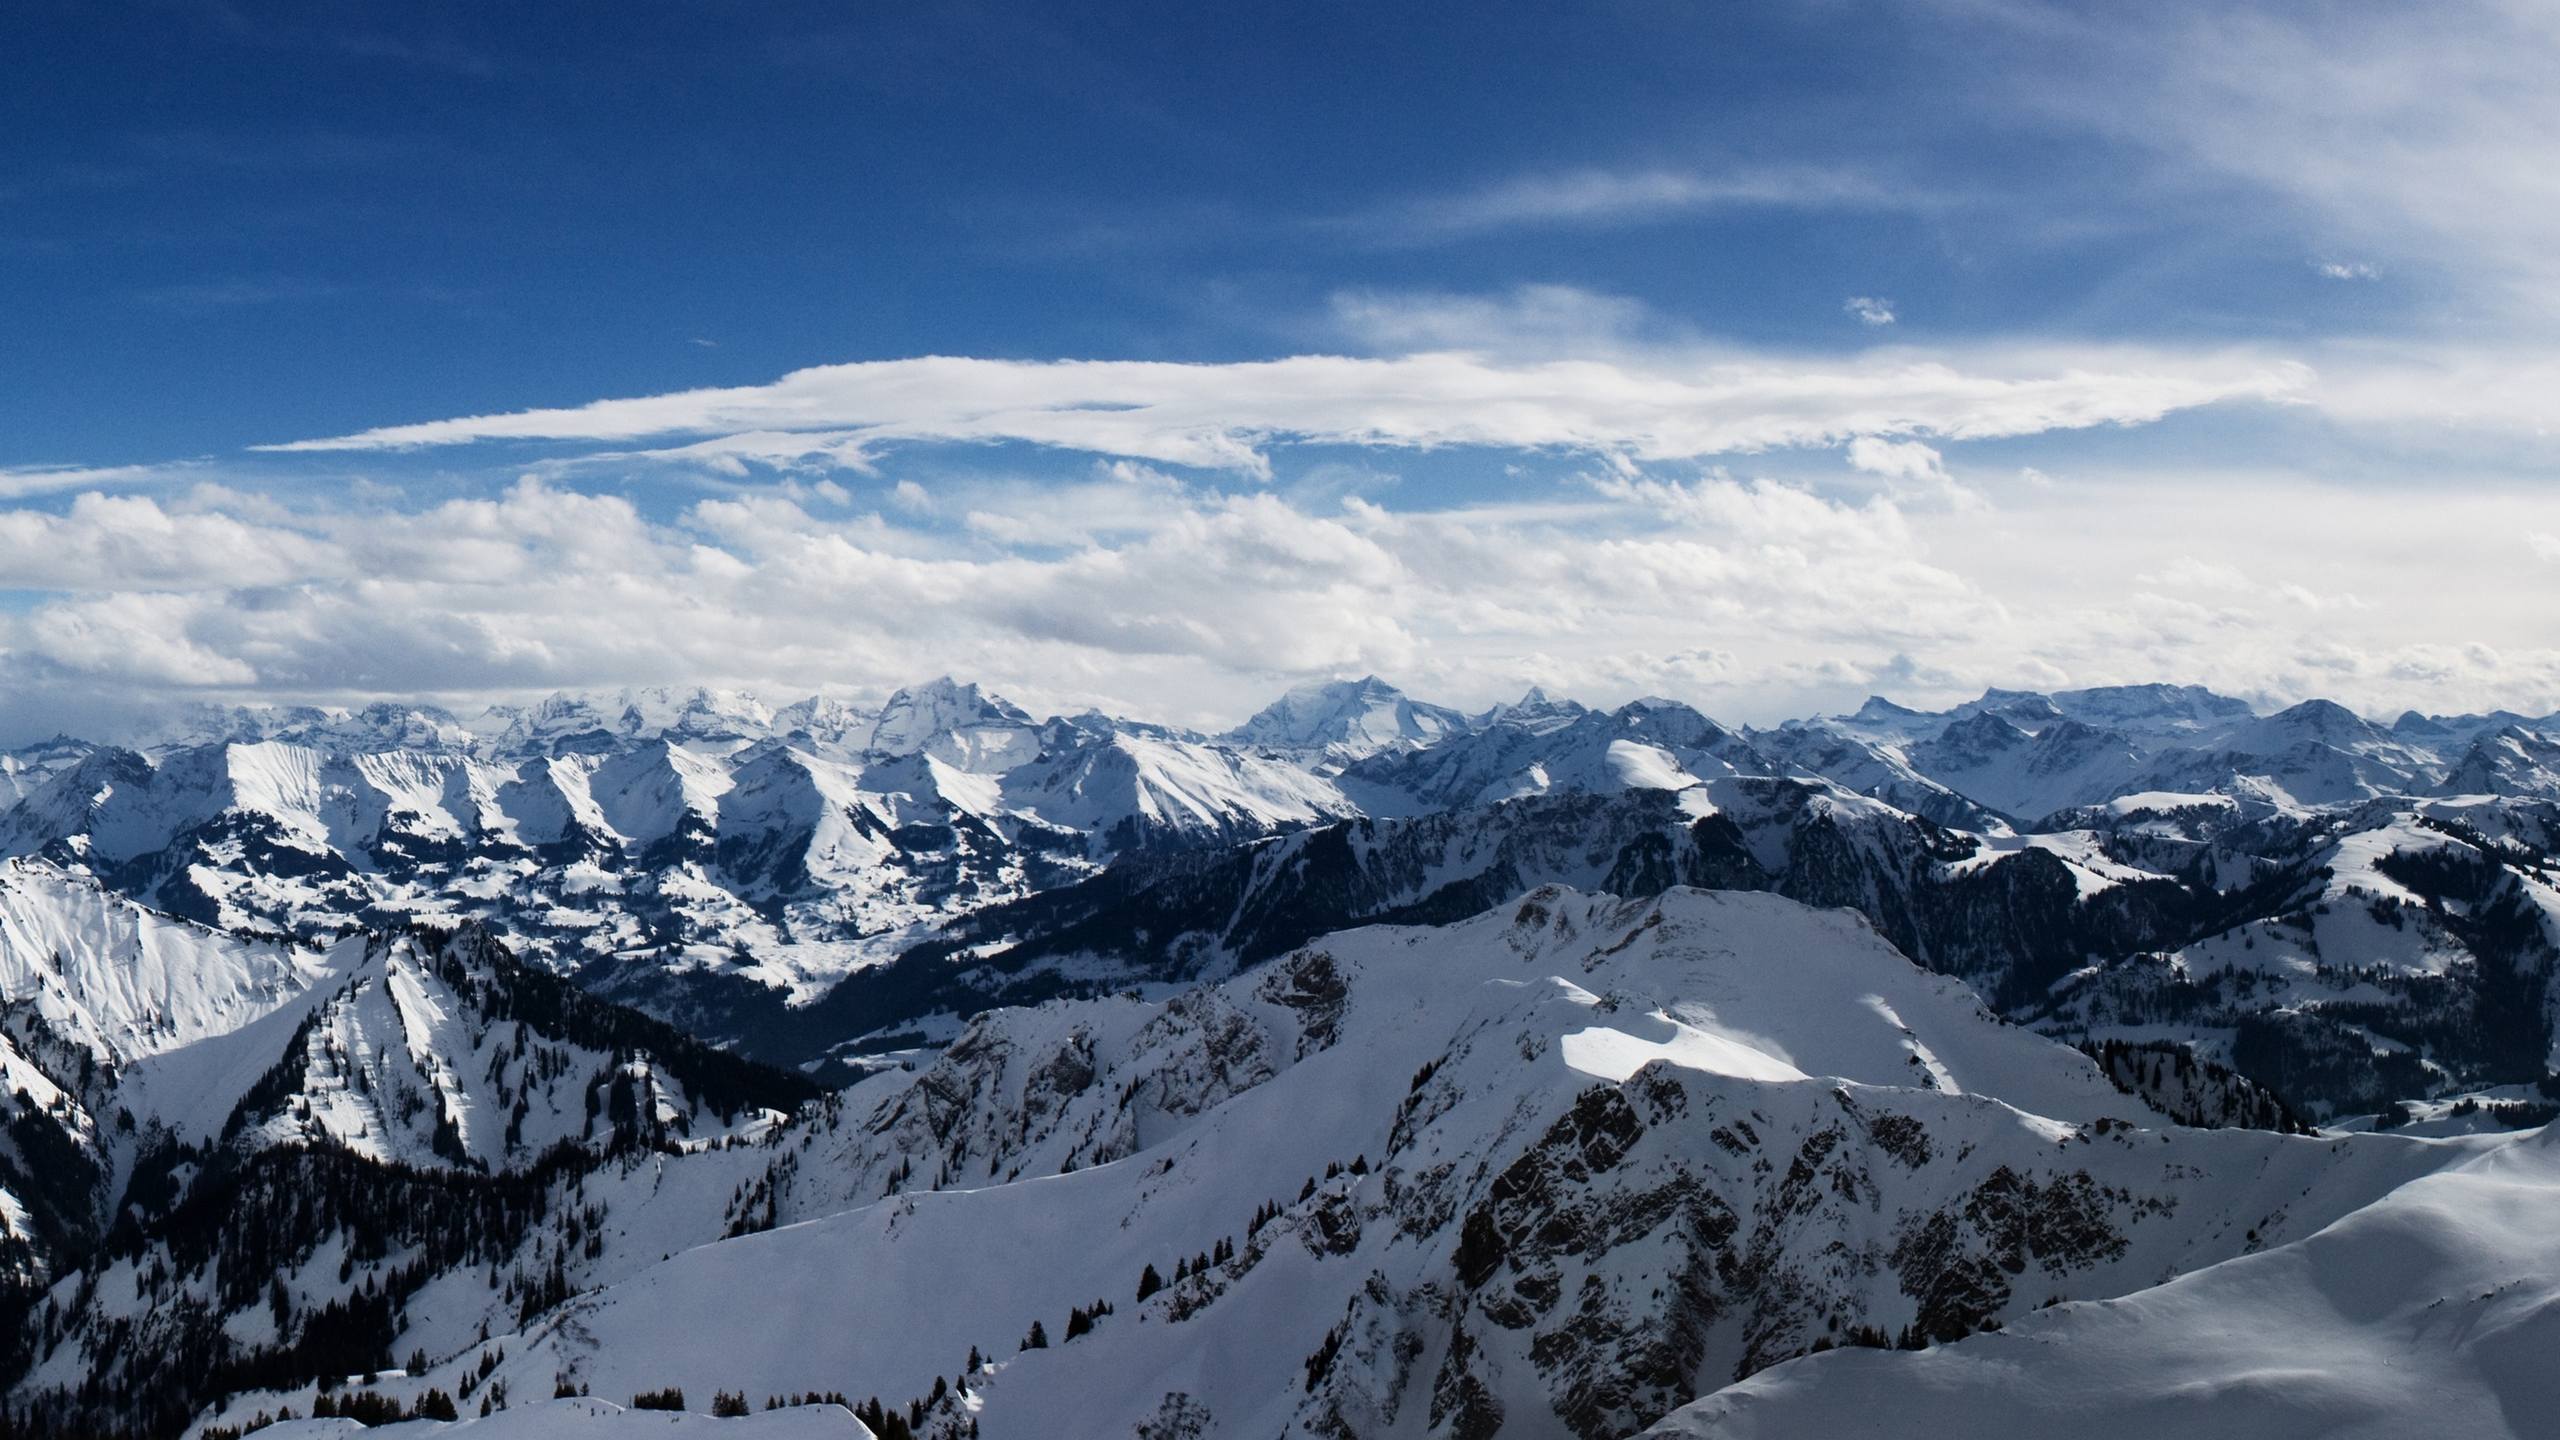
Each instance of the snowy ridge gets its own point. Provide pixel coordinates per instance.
(1526, 1152)
(129, 983)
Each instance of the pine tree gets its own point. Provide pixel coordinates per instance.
(1149, 1282)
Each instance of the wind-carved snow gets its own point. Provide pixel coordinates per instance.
(1939, 1078)
(1616, 1055)
(1384, 1135)
(1639, 766)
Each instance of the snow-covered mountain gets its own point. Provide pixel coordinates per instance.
(731, 865)
(657, 835)
(1659, 1063)
(1539, 748)
(1560, 1168)
(1331, 723)
(2027, 756)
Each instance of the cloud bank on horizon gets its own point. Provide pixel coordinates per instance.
(1595, 418)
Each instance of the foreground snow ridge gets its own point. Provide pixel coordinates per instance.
(1559, 1169)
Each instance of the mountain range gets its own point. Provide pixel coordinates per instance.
(1373, 1068)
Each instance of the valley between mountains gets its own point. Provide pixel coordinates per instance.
(2105, 1061)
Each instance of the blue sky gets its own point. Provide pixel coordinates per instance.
(1758, 354)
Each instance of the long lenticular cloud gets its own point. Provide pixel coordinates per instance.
(1220, 416)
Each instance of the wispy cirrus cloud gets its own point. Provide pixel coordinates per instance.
(1601, 196)
(2415, 138)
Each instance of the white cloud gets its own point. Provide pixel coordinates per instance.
(1869, 310)
(2345, 270)
(2544, 545)
(1171, 600)
(137, 640)
(1649, 405)
(107, 542)
(1897, 459)
(1913, 472)
(2438, 392)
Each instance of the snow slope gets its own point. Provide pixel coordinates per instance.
(128, 982)
(1572, 1162)
(2433, 1311)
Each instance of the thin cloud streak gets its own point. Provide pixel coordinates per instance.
(1604, 197)
(26, 482)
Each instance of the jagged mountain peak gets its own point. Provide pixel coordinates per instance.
(2325, 720)
(1535, 709)
(958, 724)
(1345, 720)
(1879, 709)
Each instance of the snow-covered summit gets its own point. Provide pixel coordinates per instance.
(960, 725)
(1340, 721)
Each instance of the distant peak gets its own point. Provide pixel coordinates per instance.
(1983, 728)
(1347, 719)
(2322, 715)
